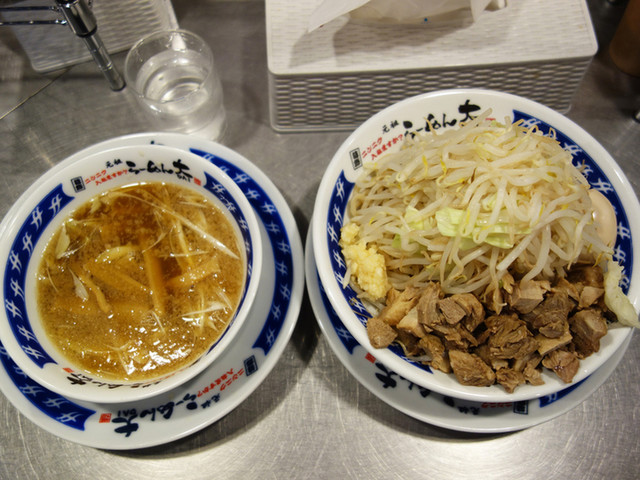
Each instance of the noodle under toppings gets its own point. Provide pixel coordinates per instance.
(476, 210)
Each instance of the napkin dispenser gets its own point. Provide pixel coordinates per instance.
(338, 75)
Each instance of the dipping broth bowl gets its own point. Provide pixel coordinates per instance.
(41, 210)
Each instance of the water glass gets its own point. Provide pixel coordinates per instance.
(172, 75)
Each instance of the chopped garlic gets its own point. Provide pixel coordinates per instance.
(366, 265)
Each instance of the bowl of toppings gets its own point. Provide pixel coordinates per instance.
(480, 245)
(126, 272)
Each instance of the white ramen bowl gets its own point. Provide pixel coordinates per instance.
(38, 213)
(383, 133)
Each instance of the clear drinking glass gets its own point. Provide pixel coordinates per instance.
(173, 76)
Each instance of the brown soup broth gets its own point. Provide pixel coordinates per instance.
(135, 283)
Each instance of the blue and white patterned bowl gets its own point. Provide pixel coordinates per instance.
(30, 223)
(384, 133)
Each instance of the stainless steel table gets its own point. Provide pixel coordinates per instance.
(309, 418)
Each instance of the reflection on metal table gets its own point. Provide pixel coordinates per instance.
(309, 418)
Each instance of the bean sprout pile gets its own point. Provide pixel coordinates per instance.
(468, 206)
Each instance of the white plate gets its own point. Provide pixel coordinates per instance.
(431, 407)
(226, 383)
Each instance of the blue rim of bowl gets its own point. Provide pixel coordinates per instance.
(32, 228)
(623, 250)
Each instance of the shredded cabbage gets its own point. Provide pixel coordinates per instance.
(615, 299)
(501, 233)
